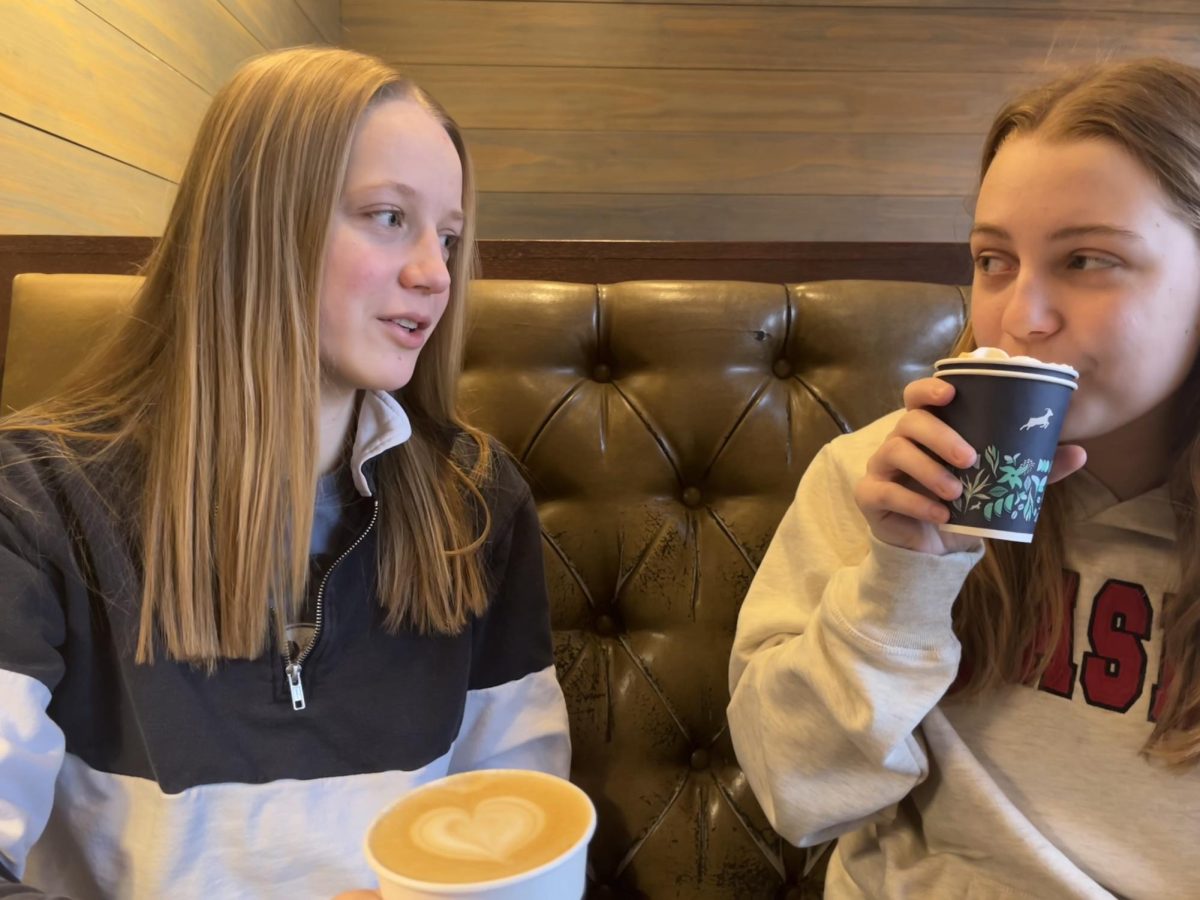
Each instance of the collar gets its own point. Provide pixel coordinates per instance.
(382, 425)
(1148, 513)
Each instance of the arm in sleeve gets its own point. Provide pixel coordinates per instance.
(515, 714)
(843, 645)
(32, 627)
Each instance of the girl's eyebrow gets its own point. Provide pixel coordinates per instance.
(1071, 231)
(1075, 231)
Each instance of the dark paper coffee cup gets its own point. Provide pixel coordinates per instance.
(1010, 409)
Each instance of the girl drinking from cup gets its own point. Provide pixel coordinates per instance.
(257, 576)
(1010, 719)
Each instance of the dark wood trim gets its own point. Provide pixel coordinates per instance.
(604, 262)
(599, 262)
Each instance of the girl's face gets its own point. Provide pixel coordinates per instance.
(1081, 258)
(386, 281)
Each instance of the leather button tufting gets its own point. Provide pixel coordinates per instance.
(606, 626)
(692, 497)
(700, 760)
(782, 368)
(602, 372)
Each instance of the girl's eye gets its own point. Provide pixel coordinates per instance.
(389, 218)
(449, 242)
(990, 264)
(1087, 261)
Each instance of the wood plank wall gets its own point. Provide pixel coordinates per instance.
(744, 120)
(100, 99)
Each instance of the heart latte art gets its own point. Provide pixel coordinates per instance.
(477, 827)
(494, 831)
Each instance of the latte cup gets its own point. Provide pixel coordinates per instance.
(1010, 409)
(492, 834)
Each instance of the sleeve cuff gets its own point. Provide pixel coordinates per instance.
(901, 599)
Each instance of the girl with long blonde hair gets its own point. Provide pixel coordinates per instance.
(257, 576)
(1012, 720)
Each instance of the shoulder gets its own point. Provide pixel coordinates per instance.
(500, 478)
(28, 462)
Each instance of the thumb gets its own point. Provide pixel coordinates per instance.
(1068, 459)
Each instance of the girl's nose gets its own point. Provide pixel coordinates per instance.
(1031, 312)
(425, 269)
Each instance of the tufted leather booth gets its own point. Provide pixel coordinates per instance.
(663, 427)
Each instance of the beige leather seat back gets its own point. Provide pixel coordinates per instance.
(55, 321)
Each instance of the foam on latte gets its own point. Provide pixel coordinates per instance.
(481, 826)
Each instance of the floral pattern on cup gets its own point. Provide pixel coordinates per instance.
(1004, 484)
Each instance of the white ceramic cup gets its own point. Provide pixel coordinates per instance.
(560, 878)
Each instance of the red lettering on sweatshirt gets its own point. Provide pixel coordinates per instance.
(1114, 672)
(1166, 674)
(1059, 676)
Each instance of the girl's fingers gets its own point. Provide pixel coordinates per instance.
(899, 459)
(928, 392)
(879, 498)
(926, 430)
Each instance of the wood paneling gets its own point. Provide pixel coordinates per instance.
(625, 162)
(200, 39)
(825, 38)
(100, 100)
(70, 73)
(806, 120)
(720, 101)
(736, 217)
(326, 15)
(1084, 6)
(275, 23)
(49, 185)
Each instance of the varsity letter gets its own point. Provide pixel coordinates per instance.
(1115, 671)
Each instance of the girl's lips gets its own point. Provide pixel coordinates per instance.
(408, 339)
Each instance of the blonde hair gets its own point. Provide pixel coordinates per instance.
(1009, 615)
(213, 385)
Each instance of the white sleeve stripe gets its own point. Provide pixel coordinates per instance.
(31, 754)
(521, 724)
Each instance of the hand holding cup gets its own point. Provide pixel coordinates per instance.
(915, 478)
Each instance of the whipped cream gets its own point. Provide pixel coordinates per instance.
(995, 354)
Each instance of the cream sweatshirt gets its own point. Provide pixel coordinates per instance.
(841, 721)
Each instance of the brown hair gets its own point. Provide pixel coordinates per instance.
(214, 383)
(1009, 614)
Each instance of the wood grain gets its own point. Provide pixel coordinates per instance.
(648, 163)
(51, 186)
(326, 15)
(1135, 6)
(865, 39)
(72, 74)
(734, 217)
(200, 39)
(599, 99)
(275, 23)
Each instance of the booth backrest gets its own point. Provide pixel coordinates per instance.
(664, 427)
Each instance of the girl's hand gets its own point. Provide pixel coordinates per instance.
(907, 477)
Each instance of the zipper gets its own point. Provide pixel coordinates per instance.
(292, 667)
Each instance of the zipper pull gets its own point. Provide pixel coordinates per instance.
(296, 686)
